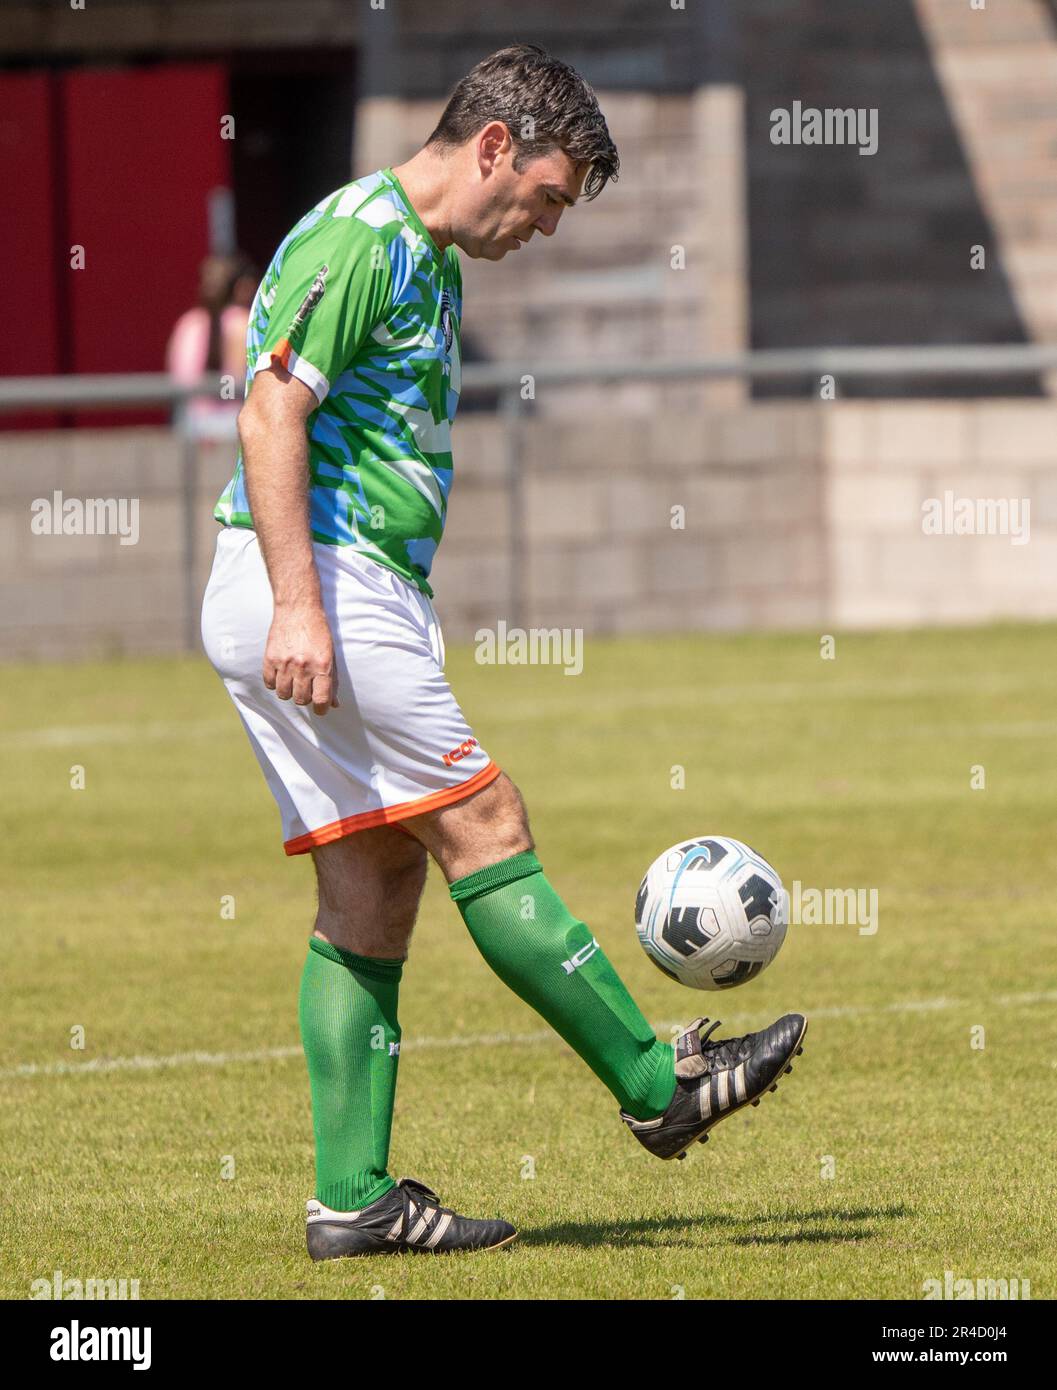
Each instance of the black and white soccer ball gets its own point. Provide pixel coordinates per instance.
(711, 912)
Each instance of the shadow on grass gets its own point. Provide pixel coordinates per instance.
(646, 1232)
(815, 1237)
(838, 1214)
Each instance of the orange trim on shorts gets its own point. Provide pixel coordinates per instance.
(388, 815)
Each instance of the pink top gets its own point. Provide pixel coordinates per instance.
(188, 349)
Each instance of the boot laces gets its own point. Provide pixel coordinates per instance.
(725, 1052)
(418, 1198)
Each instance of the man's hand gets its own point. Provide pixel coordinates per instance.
(299, 657)
(299, 653)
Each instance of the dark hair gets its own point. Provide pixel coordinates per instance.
(524, 81)
(234, 267)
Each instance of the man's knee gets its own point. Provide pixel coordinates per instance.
(510, 824)
(480, 830)
(403, 889)
(370, 885)
(495, 817)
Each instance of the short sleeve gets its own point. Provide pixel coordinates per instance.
(334, 286)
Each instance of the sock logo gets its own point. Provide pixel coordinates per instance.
(582, 956)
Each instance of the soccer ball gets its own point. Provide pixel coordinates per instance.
(711, 912)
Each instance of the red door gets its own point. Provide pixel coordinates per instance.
(29, 234)
(143, 151)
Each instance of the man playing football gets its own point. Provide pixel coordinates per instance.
(318, 617)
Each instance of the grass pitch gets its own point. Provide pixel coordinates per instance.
(175, 1146)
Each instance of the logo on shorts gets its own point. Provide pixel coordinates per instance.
(457, 754)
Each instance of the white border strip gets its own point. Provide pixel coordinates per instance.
(104, 1065)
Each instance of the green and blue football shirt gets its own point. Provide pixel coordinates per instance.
(360, 305)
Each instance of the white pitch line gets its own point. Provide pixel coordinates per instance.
(105, 1065)
(102, 735)
(175, 1059)
(768, 692)
(72, 736)
(261, 1054)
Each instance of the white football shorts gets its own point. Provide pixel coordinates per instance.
(396, 746)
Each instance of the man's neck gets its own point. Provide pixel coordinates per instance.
(424, 178)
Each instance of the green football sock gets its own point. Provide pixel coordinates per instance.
(351, 1040)
(552, 961)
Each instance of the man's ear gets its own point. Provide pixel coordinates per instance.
(492, 142)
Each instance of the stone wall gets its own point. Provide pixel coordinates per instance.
(877, 248)
(796, 515)
(656, 266)
(998, 70)
(885, 459)
(783, 245)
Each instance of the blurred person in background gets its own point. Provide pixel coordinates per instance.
(212, 338)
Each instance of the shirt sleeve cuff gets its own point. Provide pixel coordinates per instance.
(300, 367)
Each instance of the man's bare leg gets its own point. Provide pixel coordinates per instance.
(480, 830)
(369, 886)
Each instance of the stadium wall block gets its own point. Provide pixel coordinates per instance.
(767, 515)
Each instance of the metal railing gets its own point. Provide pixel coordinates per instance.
(507, 379)
(998, 359)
